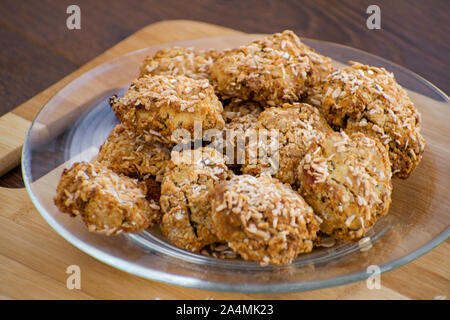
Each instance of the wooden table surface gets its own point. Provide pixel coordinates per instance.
(38, 49)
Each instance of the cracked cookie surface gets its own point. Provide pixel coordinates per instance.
(347, 181)
(185, 200)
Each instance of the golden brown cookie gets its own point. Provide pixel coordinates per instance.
(185, 199)
(178, 61)
(157, 106)
(128, 153)
(321, 68)
(237, 109)
(108, 203)
(240, 116)
(347, 181)
(271, 71)
(262, 219)
(366, 99)
(290, 131)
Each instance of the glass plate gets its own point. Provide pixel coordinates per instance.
(76, 121)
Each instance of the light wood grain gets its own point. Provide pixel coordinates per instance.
(34, 258)
(13, 130)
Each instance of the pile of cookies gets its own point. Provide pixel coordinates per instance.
(337, 137)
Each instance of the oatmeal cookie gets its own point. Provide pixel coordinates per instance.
(128, 153)
(238, 109)
(240, 116)
(158, 105)
(262, 219)
(178, 61)
(108, 203)
(290, 129)
(321, 68)
(270, 71)
(366, 99)
(347, 181)
(185, 199)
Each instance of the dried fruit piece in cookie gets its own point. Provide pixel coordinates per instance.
(128, 153)
(108, 203)
(159, 105)
(290, 130)
(178, 61)
(347, 181)
(366, 99)
(270, 71)
(185, 197)
(262, 219)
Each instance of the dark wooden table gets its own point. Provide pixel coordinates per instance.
(37, 49)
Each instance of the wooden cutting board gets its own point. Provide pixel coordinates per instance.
(34, 258)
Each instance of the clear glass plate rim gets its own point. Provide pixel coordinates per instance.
(190, 282)
(187, 281)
